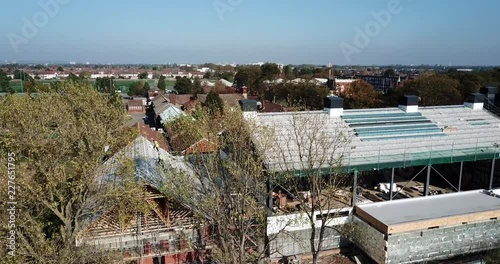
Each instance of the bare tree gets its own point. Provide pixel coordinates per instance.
(228, 190)
(307, 157)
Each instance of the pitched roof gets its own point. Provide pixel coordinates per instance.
(149, 167)
(171, 113)
(152, 135)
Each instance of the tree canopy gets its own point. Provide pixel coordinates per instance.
(183, 85)
(162, 85)
(361, 94)
(58, 144)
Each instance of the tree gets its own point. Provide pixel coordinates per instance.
(105, 84)
(361, 94)
(389, 72)
(60, 69)
(316, 172)
(161, 83)
(228, 189)
(197, 89)
(84, 75)
(58, 158)
(183, 85)
(433, 90)
(288, 72)
(137, 88)
(73, 77)
(143, 75)
(269, 71)
(146, 87)
(4, 81)
(247, 76)
(214, 103)
(219, 87)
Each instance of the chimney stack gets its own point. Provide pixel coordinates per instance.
(489, 92)
(249, 108)
(334, 106)
(244, 92)
(409, 103)
(474, 101)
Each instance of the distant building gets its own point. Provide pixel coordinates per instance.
(381, 83)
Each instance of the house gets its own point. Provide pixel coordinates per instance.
(136, 106)
(163, 234)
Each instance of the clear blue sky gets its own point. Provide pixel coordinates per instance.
(460, 32)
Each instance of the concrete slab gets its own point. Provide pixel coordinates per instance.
(432, 207)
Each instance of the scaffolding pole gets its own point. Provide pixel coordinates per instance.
(354, 188)
(492, 173)
(427, 180)
(460, 176)
(392, 183)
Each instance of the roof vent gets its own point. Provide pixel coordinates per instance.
(474, 101)
(249, 108)
(334, 106)
(489, 92)
(409, 103)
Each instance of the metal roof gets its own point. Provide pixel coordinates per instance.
(381, 138)
(148, 166)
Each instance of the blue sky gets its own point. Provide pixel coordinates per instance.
(457, 32)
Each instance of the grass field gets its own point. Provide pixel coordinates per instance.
(121, 84)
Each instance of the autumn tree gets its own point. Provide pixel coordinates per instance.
(433, 90)
(58, 143)
(228, 191)
(361, 94)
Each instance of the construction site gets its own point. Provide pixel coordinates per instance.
(410, 170)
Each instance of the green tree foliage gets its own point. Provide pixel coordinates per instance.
(248, 76)
(146, 87)
(162, 85)
(389, 72)
(288, 72)
(4, 81)
(232, 196)
(305, 96)
(183, 85)
(73, 77)
(361, 94)
(269, 71)
(143, 75)
(197, 89)
(84, 75)
(105, 84)
(58, 143)
(138, 88)
(214, 103)
(60, 69)
(21, 75)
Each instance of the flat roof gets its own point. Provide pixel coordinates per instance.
(383, 138)
(437, 210)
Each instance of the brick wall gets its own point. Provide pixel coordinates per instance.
(429, 244)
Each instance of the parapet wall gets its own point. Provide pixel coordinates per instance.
(429, 244)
